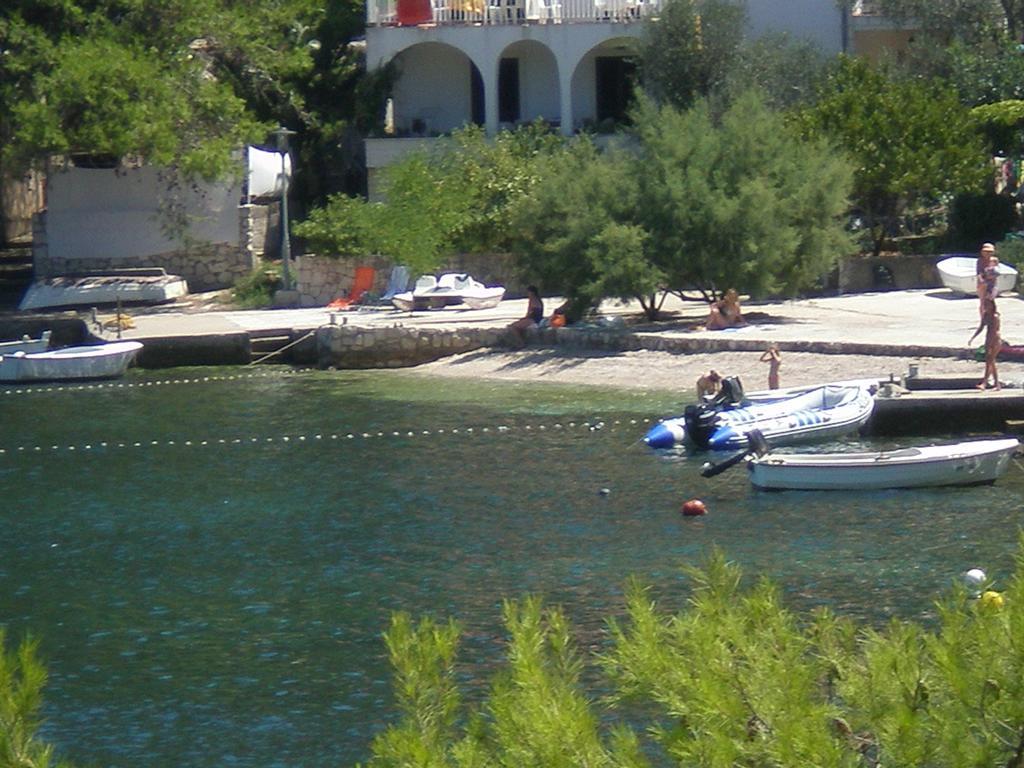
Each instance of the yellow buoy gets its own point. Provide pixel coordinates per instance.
(991, 599)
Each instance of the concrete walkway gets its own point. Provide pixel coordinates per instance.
(897, 322)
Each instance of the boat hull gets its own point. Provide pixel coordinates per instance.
(970, 463)
(100, 361)
(959, 274)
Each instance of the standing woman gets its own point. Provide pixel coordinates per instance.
(985, 291)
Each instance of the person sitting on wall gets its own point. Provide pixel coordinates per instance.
(725, 313)
(534, 314)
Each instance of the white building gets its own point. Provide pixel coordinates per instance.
(497, 63)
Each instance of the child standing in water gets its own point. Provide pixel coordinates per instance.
(773, 357)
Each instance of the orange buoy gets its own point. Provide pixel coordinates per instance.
(694, 508)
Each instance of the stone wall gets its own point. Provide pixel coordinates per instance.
(888, 271)
(345, 346)
(352, 346)
(205, 268)
(320, 279)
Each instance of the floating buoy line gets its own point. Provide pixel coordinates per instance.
(31, 390)
(319, 437)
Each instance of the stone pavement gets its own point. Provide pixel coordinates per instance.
(926, 321)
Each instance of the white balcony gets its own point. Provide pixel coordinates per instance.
(506, 12)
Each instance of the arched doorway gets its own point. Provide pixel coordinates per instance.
(439, 89)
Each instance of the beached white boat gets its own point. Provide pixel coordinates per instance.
(449, 289)
(959, 273)
(968, 463)
(98, 361)
(25, 344)
(785, 417)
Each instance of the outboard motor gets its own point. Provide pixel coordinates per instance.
(701, 422)
(730, 395)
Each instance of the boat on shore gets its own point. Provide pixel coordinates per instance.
(975, 462)
(449, 289)
(784, 417)
(959, 274)
(97, 361)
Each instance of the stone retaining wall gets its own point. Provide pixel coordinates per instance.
(205, 268)
(320, 279)
(346, 346)
(351, 346)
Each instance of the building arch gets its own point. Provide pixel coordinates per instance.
(602, 82)
(528, 86)
(439, 89)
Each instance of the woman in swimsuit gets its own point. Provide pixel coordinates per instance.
(534, 314)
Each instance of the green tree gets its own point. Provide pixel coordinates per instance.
(182, 83)
(740, 201)
(22, 679)
(687, 53)
(971, 21)
(732, 678)
(457, 197)
(912, 141)
(578, 231)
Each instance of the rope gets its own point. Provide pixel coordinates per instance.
(595, 426)
(35, 389)
(282, 349)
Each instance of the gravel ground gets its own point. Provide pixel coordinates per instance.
(666, 371)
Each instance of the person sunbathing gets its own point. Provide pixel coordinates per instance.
(725, 313)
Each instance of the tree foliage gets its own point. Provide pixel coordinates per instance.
(912, 141)
(734, 678)
(22, 678)
(697, 201)
(688, 52)
(433, 204)
(183, 83)
(578, 230)
(971, 21)
(740, 200)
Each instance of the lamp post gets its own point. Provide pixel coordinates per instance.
(282, 135)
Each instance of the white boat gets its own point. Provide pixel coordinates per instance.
(98, 361)
(959, 273)
(968, 463)
(25, 344)
(449, 289)
(800, 414)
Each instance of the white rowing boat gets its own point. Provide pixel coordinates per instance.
(97, 361)
(975, 462)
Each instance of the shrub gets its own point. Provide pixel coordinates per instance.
(257, 289)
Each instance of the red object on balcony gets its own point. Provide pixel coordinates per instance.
(412, 12)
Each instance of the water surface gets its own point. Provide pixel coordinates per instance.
(209, 558)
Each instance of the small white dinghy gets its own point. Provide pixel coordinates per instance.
(975, 462)
(97, 361)
(959, 273)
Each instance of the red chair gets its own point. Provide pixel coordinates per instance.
(362, 283)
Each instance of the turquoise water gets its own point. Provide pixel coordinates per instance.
(209, 558)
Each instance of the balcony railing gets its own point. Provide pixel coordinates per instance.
(479, 12)
(866, 8)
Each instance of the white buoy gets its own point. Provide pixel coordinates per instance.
(975, 578)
